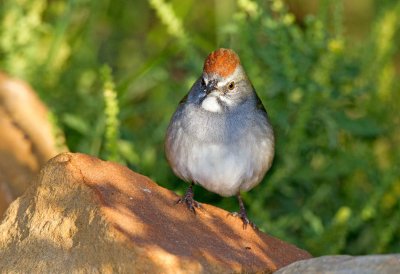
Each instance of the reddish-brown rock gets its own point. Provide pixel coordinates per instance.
(26, 138)
(87, 215)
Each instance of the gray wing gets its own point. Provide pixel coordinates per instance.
(259, 105)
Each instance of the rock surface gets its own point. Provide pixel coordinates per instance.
(26, 138)
(89, 216)
(370, 264)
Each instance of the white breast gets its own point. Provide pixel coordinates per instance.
(217, 167)
(210, 103)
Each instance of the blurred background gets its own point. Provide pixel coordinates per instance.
(111, 74)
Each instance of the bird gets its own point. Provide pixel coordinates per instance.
(220, 136)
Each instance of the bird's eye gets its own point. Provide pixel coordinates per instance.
(203, 83)
(231, 85)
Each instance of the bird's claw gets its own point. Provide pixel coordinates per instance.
(190, 203)
(246, 221)
(243, 215)
(188, 200)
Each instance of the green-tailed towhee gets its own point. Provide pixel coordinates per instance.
(220, 136)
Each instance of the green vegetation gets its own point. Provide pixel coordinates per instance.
(112, 74)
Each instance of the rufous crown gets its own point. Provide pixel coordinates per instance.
(222, 62)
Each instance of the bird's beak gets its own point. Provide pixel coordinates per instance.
(211, 85)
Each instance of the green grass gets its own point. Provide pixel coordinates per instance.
(112, 74)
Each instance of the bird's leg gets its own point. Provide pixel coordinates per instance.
(243, 215)
(188, 199)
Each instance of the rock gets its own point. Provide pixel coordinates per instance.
(26, 138)
(370, 264)
(89, 216)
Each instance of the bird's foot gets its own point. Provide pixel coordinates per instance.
(246, 221)
(243, 215)
(189, 201)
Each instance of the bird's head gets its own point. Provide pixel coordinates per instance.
(224, 83)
